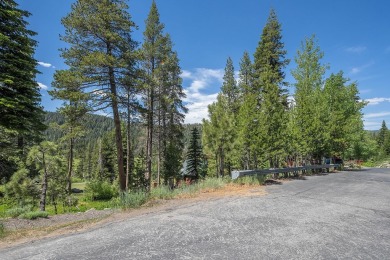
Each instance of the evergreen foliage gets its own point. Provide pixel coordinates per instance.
(21, 113)
(101, 49)
(163, 95)
(19, 97)
(195, 161)
(309, 111)
(269, 62)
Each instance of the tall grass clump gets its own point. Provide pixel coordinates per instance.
(34, 215)
(162, 192)
(133, 199)
(212, 183)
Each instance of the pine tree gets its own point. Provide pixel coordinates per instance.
(19, 96)
(172, 112)
(46, 160)
(101, 49)
(309, 105)
(382, 134)
(219, 133)
(68, 88)
(230, 89)
(247, 121)
(163, 95)
(151, 59)
(269, 62)
(194, 155)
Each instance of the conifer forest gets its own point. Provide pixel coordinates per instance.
(255, 122)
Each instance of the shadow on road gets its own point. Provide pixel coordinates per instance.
(272, 182)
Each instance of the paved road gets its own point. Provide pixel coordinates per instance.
(337, 216)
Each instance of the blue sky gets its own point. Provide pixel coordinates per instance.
(354, 35)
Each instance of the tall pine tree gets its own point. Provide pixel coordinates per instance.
(269, 62)
(101, 49)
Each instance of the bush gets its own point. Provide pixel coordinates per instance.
(132, 199)
(98, 190)
(34, 215)
(16, 212)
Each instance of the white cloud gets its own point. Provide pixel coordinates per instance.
(371, 125)
(377, 100)
(201, 79)
(376, 115)
(356, 70)
(42, 86)
(373, 121)
(356, 49)
(46, 65)
(185, 74)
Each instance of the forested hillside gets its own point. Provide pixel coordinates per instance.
(95, 126)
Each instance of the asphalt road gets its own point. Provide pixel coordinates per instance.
(338, 216)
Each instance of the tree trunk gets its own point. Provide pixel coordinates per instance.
(118, 132)
(150, 138)
(42, 203)
(21, 144)
(129, 165)
(70, 165)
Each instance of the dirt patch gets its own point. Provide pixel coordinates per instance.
(23, 231)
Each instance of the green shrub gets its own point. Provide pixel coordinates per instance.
(34, 215)
(98, 190)
(132, 199)
(16, 212)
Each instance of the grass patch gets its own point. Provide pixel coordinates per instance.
(82, 206)
(34, 215)
(162, 192)
(212, 183)
(129, 200)
(16, 212)
(251, 180)
(79, 185)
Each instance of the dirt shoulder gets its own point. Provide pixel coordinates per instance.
(27, 231)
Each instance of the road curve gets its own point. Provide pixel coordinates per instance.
(344, 215)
